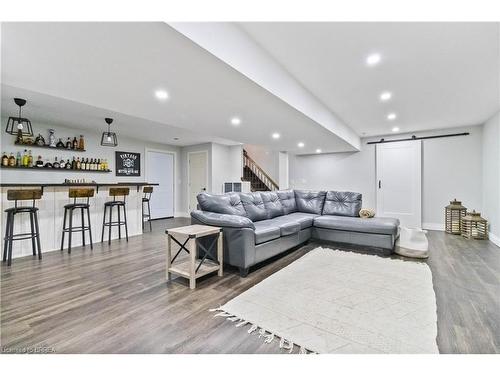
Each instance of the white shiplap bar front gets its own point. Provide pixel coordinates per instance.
(51, 212)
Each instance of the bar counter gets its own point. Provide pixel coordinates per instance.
(51, 211)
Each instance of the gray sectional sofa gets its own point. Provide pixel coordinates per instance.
(260, 225)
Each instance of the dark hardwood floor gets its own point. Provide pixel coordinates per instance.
(115, 299)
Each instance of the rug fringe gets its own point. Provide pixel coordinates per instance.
(266, 335)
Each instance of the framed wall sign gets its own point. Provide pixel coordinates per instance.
(127, 163)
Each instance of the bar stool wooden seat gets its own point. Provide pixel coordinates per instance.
(119, 204)
(82, 206)
(147, 191)
(34, 234)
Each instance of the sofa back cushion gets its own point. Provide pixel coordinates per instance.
(272, 204)
(222, 204)
(287, 198)
(254, 206)
(310, 201)
(342, 203)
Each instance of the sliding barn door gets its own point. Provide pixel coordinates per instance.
(399, 182)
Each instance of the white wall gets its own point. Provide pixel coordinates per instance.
(491, 176)
(451, 168)
(267, 159)
(227, 165)
(94, 150)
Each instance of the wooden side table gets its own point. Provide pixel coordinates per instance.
(191, 267)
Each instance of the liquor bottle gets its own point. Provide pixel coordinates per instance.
(62, 164)
(60, 143)
(95, 164)
(68, 164)
(39, 140)
(39, 162)
(30, 159)
(98, 164)
(85, 165)
(56, 163)
(81, 143)
(92, 165)
(47, 164)
(75, 144)
(68, 143)
(12, 160)
(19, 159)
(78, 163)
(5, 160)
(73, 163)
(19, 138)
(25, 158)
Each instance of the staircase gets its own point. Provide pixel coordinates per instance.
(259, 180)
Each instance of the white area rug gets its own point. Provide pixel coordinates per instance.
(331, 301)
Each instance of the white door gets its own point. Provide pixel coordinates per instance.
(160, 169)
(197, 176)
(399, 182)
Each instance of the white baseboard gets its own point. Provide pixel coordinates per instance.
(494, 239)
(433, 226)
(181, 214)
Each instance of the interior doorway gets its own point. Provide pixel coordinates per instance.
(197, 176)
(160, 169)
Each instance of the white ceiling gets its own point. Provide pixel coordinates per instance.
(47, 109)
(441, 74)
(118, 66)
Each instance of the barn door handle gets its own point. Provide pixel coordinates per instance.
(379, 184)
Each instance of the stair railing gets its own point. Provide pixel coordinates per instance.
(259, 172)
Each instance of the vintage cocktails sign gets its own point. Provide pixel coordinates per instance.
(128, 163)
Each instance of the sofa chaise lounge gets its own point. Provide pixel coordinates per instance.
(260, 225)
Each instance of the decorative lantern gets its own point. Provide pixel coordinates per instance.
(19, 125)
(454, 214)
(474, 226)
(109, 138)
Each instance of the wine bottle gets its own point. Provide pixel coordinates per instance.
(5, 160)
(68, 143)
(68, 164)
(73, 163)
(78, 163)
(84, 164)
(81, 143)
(30, 159)
(25, 158)
(75, 144)
(98, 164)
(19, 159)
(12, 160)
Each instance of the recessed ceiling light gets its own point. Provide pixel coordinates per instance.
(300, 144)
(385, 96)
(161, 94)
(276, 135)
(373, 59)
(176, 138)
(395, 129)
(318, 151)
(236, 121)
(391, 116)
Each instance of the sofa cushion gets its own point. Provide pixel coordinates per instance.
(222, 204)
(266, 230)
(304, 219)
(342, 203)
(287, 198)
(254, 206)
(272, 204)
(310, 201)
(378, 225)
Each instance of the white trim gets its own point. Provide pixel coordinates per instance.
(174, 182)
(433, 226)
(188, 177)
(494, 239)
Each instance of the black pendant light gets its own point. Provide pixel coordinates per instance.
(109, 138)
(16, 124)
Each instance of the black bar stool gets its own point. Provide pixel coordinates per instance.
(147, 191)
(115, 192)
(34, 234)
(82, 206)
